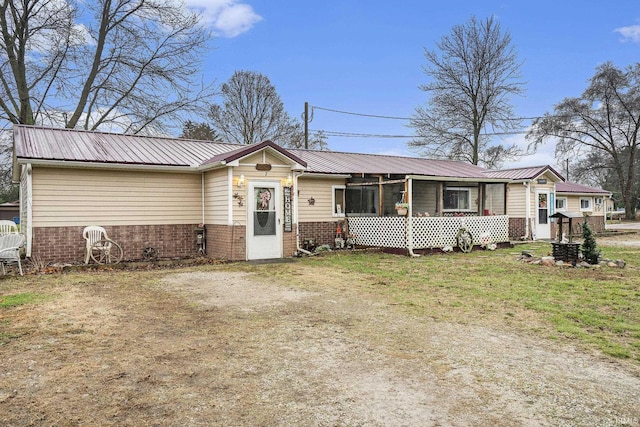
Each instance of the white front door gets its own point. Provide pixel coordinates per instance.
(543, 226)
(264, 232)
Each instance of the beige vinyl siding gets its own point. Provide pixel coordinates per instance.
(516, 200)
(265, 158)
(76, 197)
(425, 197)
(321, 190)
(216, 184)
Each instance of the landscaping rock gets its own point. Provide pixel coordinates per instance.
(547, 260)
(619, 263)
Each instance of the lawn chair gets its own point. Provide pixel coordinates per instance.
(10, 245)
(99, 247)
(8, 227)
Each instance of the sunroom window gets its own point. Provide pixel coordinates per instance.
(457, 199)
(362, 200)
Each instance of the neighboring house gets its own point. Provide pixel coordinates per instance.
(590, 201)
(536, 193)
(256, 201)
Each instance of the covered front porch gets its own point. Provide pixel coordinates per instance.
(424, 212)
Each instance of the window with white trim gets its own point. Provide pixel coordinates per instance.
(585, 203)
(561, 203)
(598, 201)
(457, 199)
(338, 200)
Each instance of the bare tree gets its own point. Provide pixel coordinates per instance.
(252, 111)
(474, 71)
(601, 124)
(317, 140)
(133, 63)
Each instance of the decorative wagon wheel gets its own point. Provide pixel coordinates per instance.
(465, 240)
(149, 253)
(106, 251)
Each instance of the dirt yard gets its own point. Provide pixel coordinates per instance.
(210, 347)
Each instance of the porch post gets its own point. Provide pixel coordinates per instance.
(440, 199)
(409, 220)
(380, 196)
(481, 197)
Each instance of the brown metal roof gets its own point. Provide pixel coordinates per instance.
(331, 162)
(525, 173)
(101, 147)
(572, 187)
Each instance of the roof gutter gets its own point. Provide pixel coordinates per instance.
(458, 179)
(324, 175)
(113, 166)
(568, 193)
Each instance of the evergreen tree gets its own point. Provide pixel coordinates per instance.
(590, 252)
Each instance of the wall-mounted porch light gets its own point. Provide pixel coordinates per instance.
(241, 181)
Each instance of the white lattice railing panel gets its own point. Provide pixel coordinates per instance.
(385, 232)
(437, 232)
(432, 232)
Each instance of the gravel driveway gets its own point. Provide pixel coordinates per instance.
(220, 348)
(332, 357)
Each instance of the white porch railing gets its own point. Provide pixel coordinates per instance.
(424, 233)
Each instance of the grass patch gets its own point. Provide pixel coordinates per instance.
(598, 308)
(7, 301)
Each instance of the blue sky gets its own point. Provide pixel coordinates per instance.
(367, 57)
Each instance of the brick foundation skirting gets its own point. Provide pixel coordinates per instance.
(517, 228)
(229, 242)
(226, 242)
(323, 232)
(66, 244)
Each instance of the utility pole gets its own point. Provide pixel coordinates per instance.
(567, 170)
(306, 125)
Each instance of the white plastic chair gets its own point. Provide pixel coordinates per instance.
(10, 245)
(8, 227)
(100, 247)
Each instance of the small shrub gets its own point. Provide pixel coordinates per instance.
(590, 251)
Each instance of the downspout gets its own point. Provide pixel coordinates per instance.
(202, 188)
(409, 220)
(527, 206)
(297, 219)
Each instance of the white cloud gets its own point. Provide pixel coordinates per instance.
(630, 33)
(228, 18)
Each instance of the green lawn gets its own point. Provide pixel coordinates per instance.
(598, 308)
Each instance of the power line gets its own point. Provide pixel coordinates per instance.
(391, 136)
(378, 116)
(359, 114)
(376, 135)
